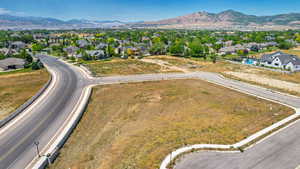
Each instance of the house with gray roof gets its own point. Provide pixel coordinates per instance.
(82, 43)
(12, 63)
(101, 46)
(97, 54)
(71, 50)
(252, 46)
(281, 60)
(18, 45)
(231, 49)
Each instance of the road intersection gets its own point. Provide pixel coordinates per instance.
(54, 113)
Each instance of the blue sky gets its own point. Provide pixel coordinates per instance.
(138, 10)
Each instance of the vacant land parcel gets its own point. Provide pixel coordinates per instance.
(136, 125)
(286, 82)
(124, 67)
(17, 88)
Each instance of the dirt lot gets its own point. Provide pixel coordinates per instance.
(125, 67)
(134, 126)
(199, 65)
(277, 80)
(295, 51)
(163, 64)
(265, 80)
(16, 88)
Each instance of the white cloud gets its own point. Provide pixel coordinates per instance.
(5, 11)
(20, 14)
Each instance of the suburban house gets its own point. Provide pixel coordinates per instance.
(11, 63)
(231, 49)
(281, 60)
(101, 46)
(83, 43)
(99, 54)
(252, 46)
(39, 37)
(71, 50)
(18, 45)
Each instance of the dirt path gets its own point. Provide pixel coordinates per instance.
(266, 81)
(165, 64)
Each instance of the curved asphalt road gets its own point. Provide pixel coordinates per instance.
(17, 142)
(17, 149)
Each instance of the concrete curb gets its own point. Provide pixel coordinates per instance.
(58, 140)
(173, 155)
(286, 94)
(26, 104)
(87, 72)
(248, 93)
(52, 148)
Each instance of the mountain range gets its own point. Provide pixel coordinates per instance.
(20, 22)
(228, 19)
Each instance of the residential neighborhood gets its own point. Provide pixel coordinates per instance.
(88, 45)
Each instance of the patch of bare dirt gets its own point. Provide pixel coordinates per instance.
(290, 86)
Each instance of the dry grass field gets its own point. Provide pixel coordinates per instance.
(295, 51)
(124, 67)
(134, 126)
(200, 65)
(17, 87)
(272, 79)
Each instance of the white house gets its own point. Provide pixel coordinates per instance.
(281, 60)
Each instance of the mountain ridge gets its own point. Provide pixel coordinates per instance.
(226, 19)
(31, 22)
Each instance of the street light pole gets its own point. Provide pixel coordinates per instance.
(37, 148)
(36, 143)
